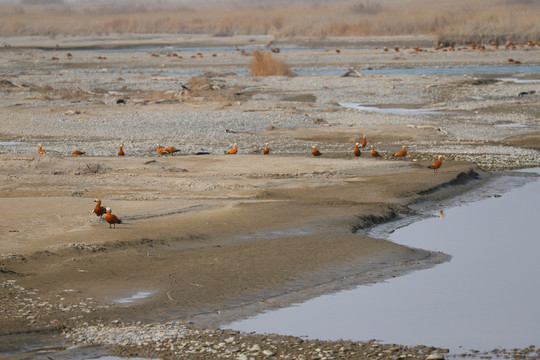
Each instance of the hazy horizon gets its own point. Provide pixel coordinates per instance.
(458, 21)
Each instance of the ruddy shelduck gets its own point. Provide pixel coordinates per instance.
(401, 153)
(171, 149)
(40, 150)
(121, 151)
(77, 152)
(316, 152)
(266, 149)
(436, 164)
(363, 143)
(356, 151)
(374, 152)
(161, 151)
(234, 150)
(111, 218)
(98, 209)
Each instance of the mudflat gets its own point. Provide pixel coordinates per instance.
(209, 237)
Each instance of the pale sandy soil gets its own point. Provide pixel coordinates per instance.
(219, 233)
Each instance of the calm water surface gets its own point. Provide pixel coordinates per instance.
(532, 70)
(486, 297)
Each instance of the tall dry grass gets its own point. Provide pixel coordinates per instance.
(265, 64)
(450, 20)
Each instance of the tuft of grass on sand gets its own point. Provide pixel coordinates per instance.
(265, 64)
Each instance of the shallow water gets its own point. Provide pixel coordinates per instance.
(486, 297)
(522, 69)
(392, 110)
(10, 143)
(137, 296)
(436, 70)
(519, 81)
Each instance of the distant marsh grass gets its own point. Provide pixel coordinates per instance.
(458, 21)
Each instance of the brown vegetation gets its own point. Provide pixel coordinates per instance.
(265, 64)
(459, 21)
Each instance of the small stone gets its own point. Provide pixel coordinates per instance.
(435, 356)
(268, 353)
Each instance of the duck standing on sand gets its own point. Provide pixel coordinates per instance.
(171, 150)
(374, 152)
(363, 143)
(160, 150)
(401, 153)
(111, 218)
(356, 151)
(121, 152)
(234, 150)
(98, 209)
(436, 164)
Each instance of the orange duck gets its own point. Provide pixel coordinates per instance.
(111, 218)
(401, 153)
(266, 150)
(40, 150)
(234, 150)
(171, 150)
(363, 142)
(77, 152)
(121, 151)
(436, 164)
(374, 152)
(161, 151)
(316, 152)
(357, 150)
(99, 210)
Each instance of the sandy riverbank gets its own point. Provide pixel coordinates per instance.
(209, 233)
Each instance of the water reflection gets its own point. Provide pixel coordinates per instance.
(485, 297)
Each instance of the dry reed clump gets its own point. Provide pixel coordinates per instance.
(265, 64)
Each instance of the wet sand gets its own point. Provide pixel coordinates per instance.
(216, 237)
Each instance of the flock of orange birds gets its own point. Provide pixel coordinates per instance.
(471, 46)
(315, 152)
(171, 150)
(113, 219)
(445, 48)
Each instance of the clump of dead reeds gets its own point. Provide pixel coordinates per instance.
(265, 64)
